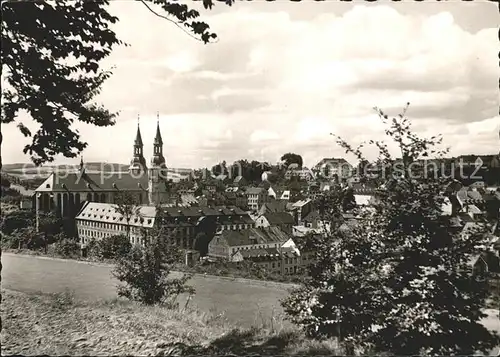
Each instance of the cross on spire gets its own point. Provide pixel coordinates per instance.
(138, 117)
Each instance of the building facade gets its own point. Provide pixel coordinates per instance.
(256, 197)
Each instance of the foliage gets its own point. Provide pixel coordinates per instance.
(65, 246)
(126, 204)
(251, 170)
(201, 242)
(50, 59)
(291, 158)
(113, 247)
(11, 196)
(25, 238)
(4, 181)
(49, 223)
(348, 201)
(399, 281)
(17, 220)
(144, 271)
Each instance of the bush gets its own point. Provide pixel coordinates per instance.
(66, 247)
(17, 220)
(26, 238)
(144, 272)
(11, 197)
(113, 247)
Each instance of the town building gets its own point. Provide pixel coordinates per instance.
(301, 209)
(304, 174)
(330, 167)
(99, 220)
(226, 243)
(256, 196)
(282, 220)
(185, 223)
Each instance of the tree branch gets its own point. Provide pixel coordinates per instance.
(172, 21)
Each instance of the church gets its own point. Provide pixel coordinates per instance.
(65, 192)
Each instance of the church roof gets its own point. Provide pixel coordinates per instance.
(138, 138)
(88, 182)
(158, 140)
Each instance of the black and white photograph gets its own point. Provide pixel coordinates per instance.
(250, 177)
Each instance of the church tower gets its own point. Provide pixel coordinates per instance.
(158, 172)
(138, 163)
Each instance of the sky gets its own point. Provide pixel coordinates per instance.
(284, 75)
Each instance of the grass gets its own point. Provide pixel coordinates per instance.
(58, 324)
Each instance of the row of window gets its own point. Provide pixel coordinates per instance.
(86, 235)
(116, 227)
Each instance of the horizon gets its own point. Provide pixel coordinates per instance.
(257, 97)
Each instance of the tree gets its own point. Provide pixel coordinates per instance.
(50, 61)
(291, 158)
(349, 201)
(201, 242)
(398, 281)
(112, 247)
(49, 225)
(144, 271)
(127, 206)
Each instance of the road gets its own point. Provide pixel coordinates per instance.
(243, 303)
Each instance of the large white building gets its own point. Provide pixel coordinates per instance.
(99, 220)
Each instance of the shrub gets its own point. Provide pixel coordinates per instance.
(17, 220)
(26, 238)
(66, 247)
(110, 247)
(144, 272)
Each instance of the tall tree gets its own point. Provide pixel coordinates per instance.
(291, 158)
(144, 272)
(51, 52)
(398, 281)
(126, 204)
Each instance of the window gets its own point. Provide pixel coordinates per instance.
(273, 265)
(286, 270)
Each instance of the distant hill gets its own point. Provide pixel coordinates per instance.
(28, 169)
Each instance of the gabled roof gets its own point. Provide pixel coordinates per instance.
(301, 203)
(107, 213)
(254, 236)
(90, 182)
(473, 209)
(237, 179)
(273, 206)
(312, 216)
(465, 218)
(275, 218)
(254, 190)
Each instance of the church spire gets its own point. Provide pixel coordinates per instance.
(138, 138)
(158, 140)
(158, 159)
(138, 163)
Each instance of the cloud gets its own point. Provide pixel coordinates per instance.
(281, 81)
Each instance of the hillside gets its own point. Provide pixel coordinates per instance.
(39, 324)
